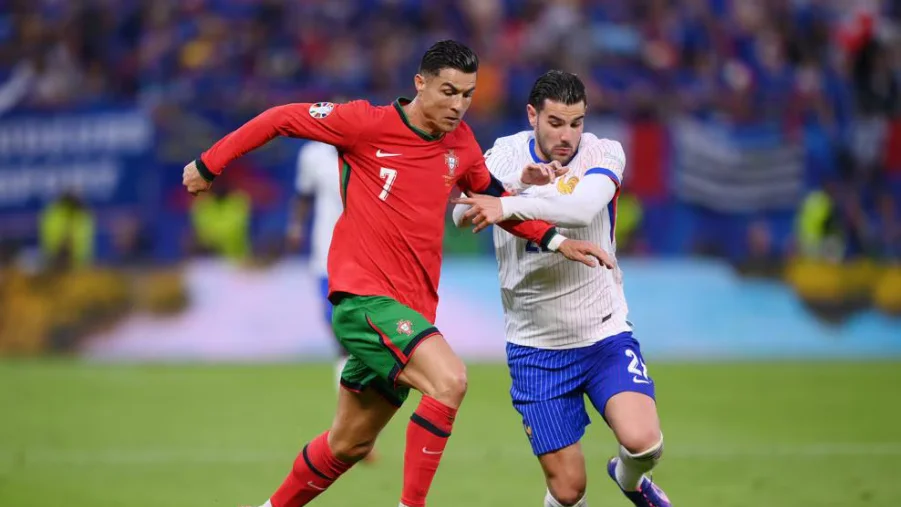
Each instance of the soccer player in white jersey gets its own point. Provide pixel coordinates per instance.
(318, 190)
(566, 327)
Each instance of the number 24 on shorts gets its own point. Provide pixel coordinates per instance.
(637, 368)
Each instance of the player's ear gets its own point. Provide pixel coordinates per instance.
(533, 115)
(419, 82)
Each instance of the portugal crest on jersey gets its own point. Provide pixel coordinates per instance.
(566, 186)
(450, 159)
(320, 110)
(405, 327)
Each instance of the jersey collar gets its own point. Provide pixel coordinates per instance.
(398, 105)
(535, 157)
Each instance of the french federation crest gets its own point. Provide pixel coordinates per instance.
(320, 110)
(566, 186)
(450, 159)
(405, 327)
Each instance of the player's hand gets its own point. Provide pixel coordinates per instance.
(193, 181)
(484, 210)
(542, 174)
(585, 252)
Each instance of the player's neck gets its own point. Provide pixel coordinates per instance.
(418, 119)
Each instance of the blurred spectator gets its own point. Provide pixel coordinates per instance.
(220, 222)
(67, 233)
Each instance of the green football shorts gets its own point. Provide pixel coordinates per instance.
(379, 334)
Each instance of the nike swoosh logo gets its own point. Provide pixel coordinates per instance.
(382, 154)
(310, 484)
(639, 381)
(426, 451)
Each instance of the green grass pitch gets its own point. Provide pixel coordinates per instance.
(738, 434)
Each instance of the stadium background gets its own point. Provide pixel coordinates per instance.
(760, 235)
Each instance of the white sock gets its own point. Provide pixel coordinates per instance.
(550, 501)
(267, 504)
(631, 467)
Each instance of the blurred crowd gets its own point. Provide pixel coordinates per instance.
(825, 71)
(749, 59)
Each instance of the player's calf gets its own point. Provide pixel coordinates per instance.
(360, 417)
(315, 469)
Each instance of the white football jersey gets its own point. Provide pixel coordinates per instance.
(318, 175)
(550, 301)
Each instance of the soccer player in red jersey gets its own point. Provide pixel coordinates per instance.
(398, 165)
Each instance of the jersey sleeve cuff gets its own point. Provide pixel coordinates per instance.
(514, 185)
(204, 171)
(552, 240)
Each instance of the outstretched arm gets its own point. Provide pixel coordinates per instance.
(478, 180)
(599, 186)
(337, 124)
(578, 209)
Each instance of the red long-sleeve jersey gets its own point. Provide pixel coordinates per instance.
(395, 181)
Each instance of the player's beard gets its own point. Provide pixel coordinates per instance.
(547, 149)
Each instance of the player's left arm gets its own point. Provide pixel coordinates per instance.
(598, 187)
(478, 180)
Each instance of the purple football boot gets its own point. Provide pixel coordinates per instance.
(648, 494)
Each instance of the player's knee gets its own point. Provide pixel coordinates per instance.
(566, 480)
(567, 490)
(639, 440)
(350, 450)
(450, 388)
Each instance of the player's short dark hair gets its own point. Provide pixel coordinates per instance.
(557, 86)
(448, 54)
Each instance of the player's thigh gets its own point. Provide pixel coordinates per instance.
(436, 370)
(547, 392)
(621, 389)
(381, 334)
(359, 418)
(633, 418)
(564, 472)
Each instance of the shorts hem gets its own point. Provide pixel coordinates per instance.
(353, 387)
(387, 395)
(539, 451)
(408, 353)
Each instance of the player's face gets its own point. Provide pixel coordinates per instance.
(445, 97)
(558, 129)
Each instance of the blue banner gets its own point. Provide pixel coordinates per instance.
(105, 157)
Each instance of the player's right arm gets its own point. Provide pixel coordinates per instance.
(501, 163)
(591, 196)
(340, 125)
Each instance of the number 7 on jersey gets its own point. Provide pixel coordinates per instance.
(388, 175)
